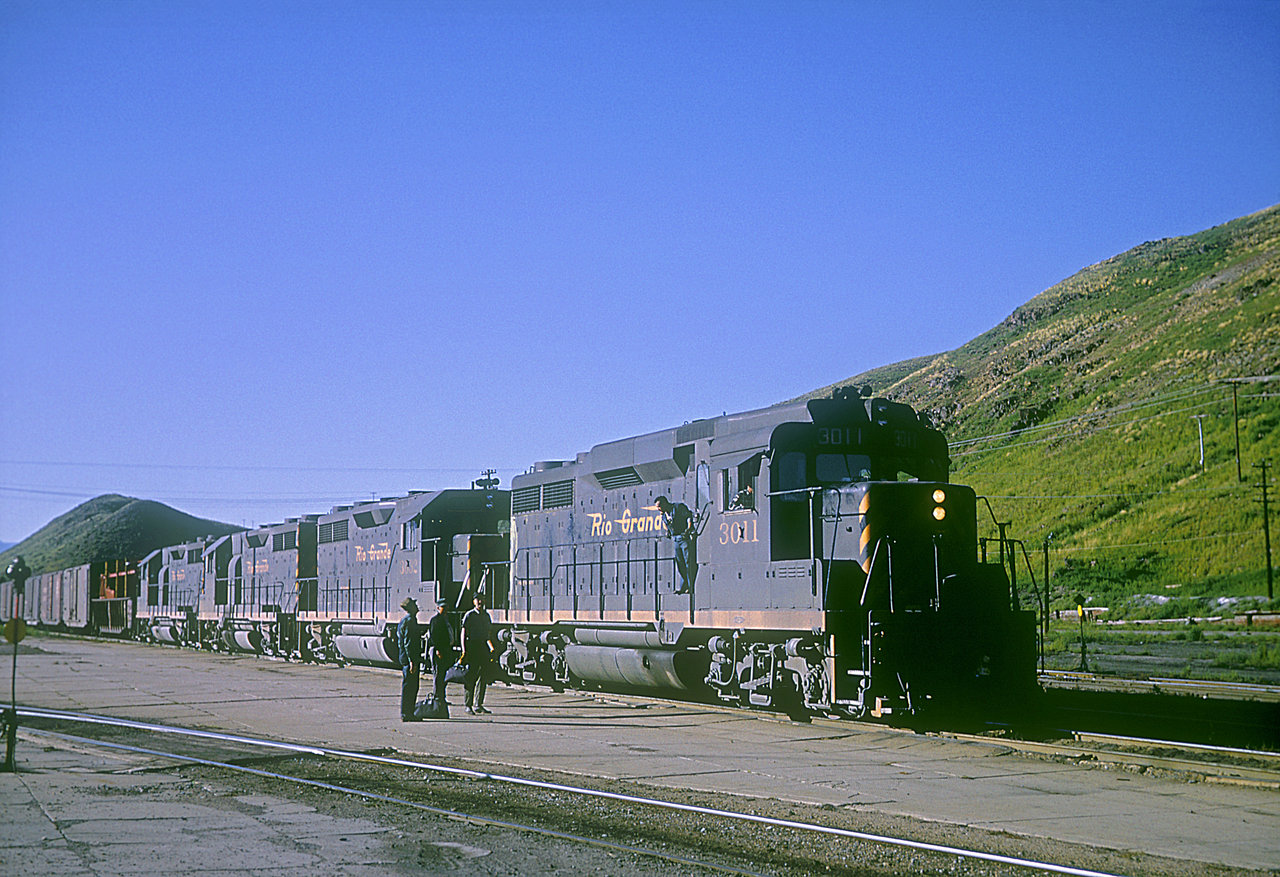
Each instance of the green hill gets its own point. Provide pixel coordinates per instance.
(1079, 417)
(109, 527)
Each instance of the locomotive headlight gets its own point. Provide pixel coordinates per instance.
(939, 497)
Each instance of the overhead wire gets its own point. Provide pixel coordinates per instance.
(1091, 415)
(1155, 543)
(1091, 422)
(1062, 435)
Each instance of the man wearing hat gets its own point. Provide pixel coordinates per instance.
(409, 647)
(440, 646)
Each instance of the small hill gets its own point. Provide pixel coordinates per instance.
(1079, 416)
(110, 527)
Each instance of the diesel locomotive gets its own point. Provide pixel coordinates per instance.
(833, 569)
(837, 569)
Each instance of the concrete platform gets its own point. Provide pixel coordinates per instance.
(967, 783)
(79, 813)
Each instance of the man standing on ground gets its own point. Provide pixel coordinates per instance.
(440, 647)
(477, 651)
(409, 652)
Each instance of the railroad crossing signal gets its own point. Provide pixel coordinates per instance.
(14, 630)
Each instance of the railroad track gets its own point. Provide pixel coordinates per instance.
(1202, 688)
(1214, 764)
(303, 761)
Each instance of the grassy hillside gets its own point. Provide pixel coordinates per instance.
(1078, 418)
(109, 528)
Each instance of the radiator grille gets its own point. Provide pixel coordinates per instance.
(525, 499)
(334, 531)
(557, 495)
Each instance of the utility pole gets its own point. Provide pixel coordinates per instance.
(1199, 419)
(1266, 524)
(1235, 414)
(1235, 409)
(1044, 621)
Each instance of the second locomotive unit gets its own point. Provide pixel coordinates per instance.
(837, 570)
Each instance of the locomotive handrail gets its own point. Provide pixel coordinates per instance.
(329, 593)
(1041, 604)
(808, 490)
(1004, 541)
(871, 567)
(559, 572)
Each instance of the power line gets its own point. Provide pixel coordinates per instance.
(1060, 435)
(259, 499)
(1132, 493)
(203, 467)
(1089, 417)
(1156, 544)
(1094, 415)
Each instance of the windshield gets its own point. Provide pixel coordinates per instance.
(843, 468)
(850, 468)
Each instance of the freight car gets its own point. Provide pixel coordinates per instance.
(836, 569)
(326, 587)
(91, 597)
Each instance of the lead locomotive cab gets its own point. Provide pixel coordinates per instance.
(837, 568)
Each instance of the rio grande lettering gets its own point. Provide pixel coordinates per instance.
(380, 551)
(628, 524)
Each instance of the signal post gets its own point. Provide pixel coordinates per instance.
(14, 630)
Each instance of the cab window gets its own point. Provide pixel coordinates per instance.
(843, 468)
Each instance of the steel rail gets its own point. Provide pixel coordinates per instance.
(374, 796)
(1030, 864)
(1164, 681)
(1095, 737)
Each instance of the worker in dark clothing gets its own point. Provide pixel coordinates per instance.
(409, 652)
(477, 652)
(440, 647)
(684, 536)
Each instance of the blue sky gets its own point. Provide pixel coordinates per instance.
(258, 258)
